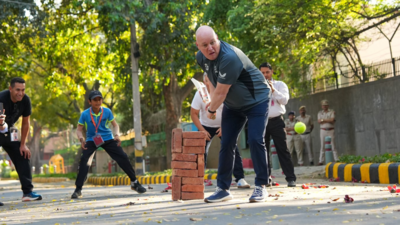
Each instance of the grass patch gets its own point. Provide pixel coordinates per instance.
(358, 159)
(67, 175)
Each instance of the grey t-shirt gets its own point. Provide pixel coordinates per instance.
(249, 87)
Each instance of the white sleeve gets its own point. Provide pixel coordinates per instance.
(281, 93)
(196, 102)
(5, 129)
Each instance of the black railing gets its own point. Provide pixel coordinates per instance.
(367, 73)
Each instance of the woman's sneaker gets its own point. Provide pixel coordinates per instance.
(242, 184)
(260, 194)
(31, 197)
(219, 196)
(136, 186)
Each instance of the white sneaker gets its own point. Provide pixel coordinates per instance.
(260, 194)
(242, 184)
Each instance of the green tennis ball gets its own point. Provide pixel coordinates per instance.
(300, 127)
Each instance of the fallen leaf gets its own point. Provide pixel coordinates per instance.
(335, 209)
(196, 219)
(335, 199)
(385, 207)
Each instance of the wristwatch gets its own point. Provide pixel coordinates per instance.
(211, 111)
(322, 120)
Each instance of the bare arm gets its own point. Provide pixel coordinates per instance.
(116, 128)
(116, 132)
(194, 114)
(23, 149)
(218, 97)
(79, 130)
(25, 129)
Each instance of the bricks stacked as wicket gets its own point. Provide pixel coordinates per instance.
(187, 164)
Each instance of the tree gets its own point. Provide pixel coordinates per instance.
(166, 35)
(295, 34)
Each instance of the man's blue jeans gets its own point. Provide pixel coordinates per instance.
(238, 171)
(232, 123)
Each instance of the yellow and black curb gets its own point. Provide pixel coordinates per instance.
(49, 179)
(124, 180)
(384, 173)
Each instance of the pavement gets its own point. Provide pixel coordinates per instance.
(373, 204)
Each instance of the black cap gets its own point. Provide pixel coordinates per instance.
(95, 94)
(291, 113)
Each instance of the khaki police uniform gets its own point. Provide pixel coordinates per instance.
(293, 140)
(327, 129)
(306, 136)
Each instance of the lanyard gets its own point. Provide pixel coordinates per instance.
(94, 123)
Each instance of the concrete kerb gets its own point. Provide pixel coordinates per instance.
(384, 173)
(49, 179)
(124, 180)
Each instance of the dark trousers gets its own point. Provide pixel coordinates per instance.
(238, 171)
(21, 164)
(113, 150)
(276, 130)
(232, 123)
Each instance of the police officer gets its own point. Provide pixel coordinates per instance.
(293, 139)
(16, 104)
(306, 136)
(326, 120)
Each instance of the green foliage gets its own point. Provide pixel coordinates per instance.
(71, 176)
(14, 174)
(387, 157)
(292, 35)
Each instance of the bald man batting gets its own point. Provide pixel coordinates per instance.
(242, 88)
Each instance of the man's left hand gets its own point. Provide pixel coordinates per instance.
(25, 152)
(219, 132)
(117, 139)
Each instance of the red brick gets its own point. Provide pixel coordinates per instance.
(185, 173)
(194, 181)
(184, 157)
(193, 188)
(192, 195)
(193, 150)
(194, 142)
(184, 165)
(194, 134)
(176, 144)
(176, 188)
(200, 164)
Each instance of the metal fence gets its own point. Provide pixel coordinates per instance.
(349, 77)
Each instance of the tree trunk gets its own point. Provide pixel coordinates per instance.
(35, 146)
(173, 105)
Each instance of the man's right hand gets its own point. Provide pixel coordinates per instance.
(208, 136)
(83, 143)
(2, 117)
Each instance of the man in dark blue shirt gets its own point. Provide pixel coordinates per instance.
(242, 88)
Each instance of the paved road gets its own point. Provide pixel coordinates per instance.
(107, 205)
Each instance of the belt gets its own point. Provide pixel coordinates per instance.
(274, 118)
(305, 133)
(327, 128)
(291, 134)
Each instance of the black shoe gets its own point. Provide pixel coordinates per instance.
(77, 194)
(1, 204)
(291, 183)
(270, 182)
(136, 186)
(311, 163)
